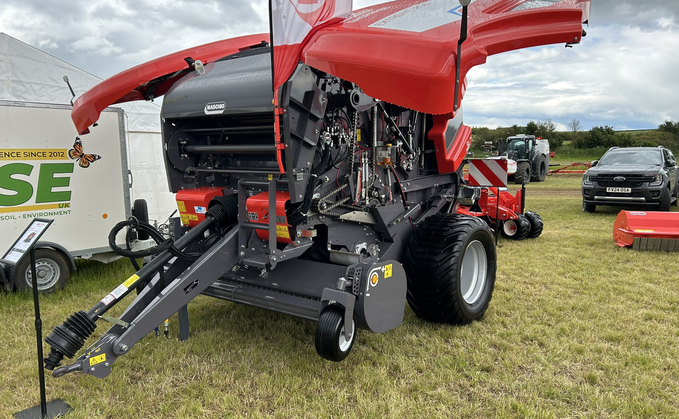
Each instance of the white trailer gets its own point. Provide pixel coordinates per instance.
(47, 171)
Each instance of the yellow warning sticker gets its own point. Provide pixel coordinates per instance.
(97, 359)
(188, 217)
(643, 231)
(387, 270)
(180, 206)
(358, 135)
(131, 280)
(270, 176)
(282, 231)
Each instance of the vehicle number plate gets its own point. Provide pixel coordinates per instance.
(619, 190)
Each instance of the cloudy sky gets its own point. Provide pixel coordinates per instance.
(623, 74)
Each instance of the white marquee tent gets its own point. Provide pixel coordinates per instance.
(28, 74)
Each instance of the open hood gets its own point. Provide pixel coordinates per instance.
(402, 52)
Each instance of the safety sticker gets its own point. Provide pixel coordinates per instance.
(644, 231)
(282, 231)
(108, 299)
(131, 280)
(180, 206)
(200, 210)
(118, 292)
(97, 359)
(387, 271)
(188, 217)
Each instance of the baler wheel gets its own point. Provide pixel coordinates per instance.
(536, 224)
(331, 342)
(516, 229)
(450, 265)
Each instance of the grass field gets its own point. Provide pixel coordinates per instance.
(577, 328)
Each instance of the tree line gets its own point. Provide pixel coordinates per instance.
(667, 135)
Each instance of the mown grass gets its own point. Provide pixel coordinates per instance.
(577, 328)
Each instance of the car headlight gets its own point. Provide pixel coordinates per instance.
(657, 180)
(586, 180)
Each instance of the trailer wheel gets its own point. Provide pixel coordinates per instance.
(536, 224)
(450, 265)
(140, 211)
(665, 200)
(331, 342)
(541, 170)
(588, 207)
(522, 175)
(52, 269)
(516, 229)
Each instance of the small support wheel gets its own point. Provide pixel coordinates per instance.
(516, 229)
(536, 224)
(331, 341)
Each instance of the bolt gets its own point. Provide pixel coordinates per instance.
(92, 369)
(124, 347)
(242, 253)
(107, 364)
(300, 197)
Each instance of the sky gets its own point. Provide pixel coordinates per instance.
(623, 74)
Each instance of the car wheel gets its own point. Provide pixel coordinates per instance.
(665, 200)
(588, 207)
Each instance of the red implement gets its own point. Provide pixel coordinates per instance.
(647, 230)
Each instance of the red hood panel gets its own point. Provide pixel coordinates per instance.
(133, 84)
(404, 52)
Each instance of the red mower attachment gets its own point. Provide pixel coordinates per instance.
(647, 230)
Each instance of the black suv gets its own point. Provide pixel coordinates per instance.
(633, 175)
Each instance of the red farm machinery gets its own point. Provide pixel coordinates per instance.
(334, 197)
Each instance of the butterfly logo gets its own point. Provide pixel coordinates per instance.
(76, 153)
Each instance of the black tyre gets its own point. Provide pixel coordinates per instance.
(665, 200)
(522, 175)
(331, 342)
(450, 264)
(52, 270)
(515, 229)
(541, 172)
(536, 224)
(140, 211)
(588, 207)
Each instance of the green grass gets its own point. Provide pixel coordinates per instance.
(577, 328)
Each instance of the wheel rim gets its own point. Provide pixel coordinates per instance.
(473, 272)
(509, 227)
(48, 273)
(343, 343)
